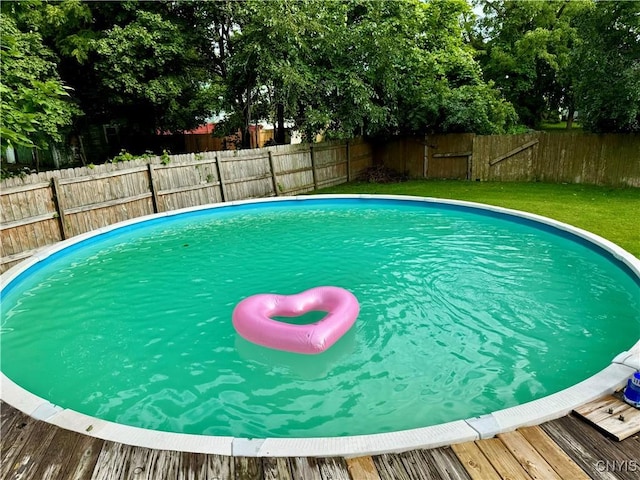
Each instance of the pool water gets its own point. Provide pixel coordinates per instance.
(461, 313)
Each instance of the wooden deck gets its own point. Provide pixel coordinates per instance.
(567, 448)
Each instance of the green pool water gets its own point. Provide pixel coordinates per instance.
(461, 313)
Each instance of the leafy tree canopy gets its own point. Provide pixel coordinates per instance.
(607, 65)
(36, 106)
(338, 67)
(141, 65)
(345, 67)
(525, 48)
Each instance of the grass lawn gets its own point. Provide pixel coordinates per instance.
(612, 213)
(560, 127)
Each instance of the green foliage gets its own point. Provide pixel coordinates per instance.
(149, 63)
(352, 67)
(125, 156)
(165, 159)
(140, 65)
(336, 67)
(35, 106)
(608, 61)
(525, 48)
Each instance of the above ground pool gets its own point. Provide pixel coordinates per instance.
(464, 310)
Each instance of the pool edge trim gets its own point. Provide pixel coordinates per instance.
(608, 380)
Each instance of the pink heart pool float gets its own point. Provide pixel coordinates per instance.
(252, 319)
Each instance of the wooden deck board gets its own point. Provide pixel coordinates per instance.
(14, 437)
(307, 468)
(22, 442)
(502, 460)
(474, 461)
(610, 414)
(276, 469)
(8, 417)
(148, 464)
(52, 464)
(83, 459)
(247, 468)
(446, 463)
(362, 468)
(585, 459)
(195, 466)
(566, 448)
(532, 462)
(113, 461)
(27, 459)
(333, 469)
(418, 466)
(631, 447)
(604, 450)
(553, 454)
(390, 467)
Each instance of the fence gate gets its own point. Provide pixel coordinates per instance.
(505, 157)
(448, 156)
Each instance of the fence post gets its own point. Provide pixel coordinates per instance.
(223, 194)
(57, 200)
(425, 159)
(273, 175)
(348, 162)
(154, 194)
(313, 167)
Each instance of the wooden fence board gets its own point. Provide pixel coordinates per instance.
(505, 157)
(620, 156)
(36, 213)
(92, 197)
(448, 156)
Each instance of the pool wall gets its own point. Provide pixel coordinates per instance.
(610, 379)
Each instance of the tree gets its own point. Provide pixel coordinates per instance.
(525, 48)
(607, 66)
(361, 67)
(35, 107)
(144, 66)
(150, 74)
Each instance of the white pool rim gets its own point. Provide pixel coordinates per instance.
(559, 404)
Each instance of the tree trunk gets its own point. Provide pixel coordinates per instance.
(246, 133)
(570, 113)
(36, 157)
(280, 127)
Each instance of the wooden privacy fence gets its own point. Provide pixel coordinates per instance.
(612, 159)
(44, 208)
(41, 209)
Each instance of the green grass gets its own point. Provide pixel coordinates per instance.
(560, 127)
(611, 213)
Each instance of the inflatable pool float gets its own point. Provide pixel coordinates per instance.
(252, 319)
